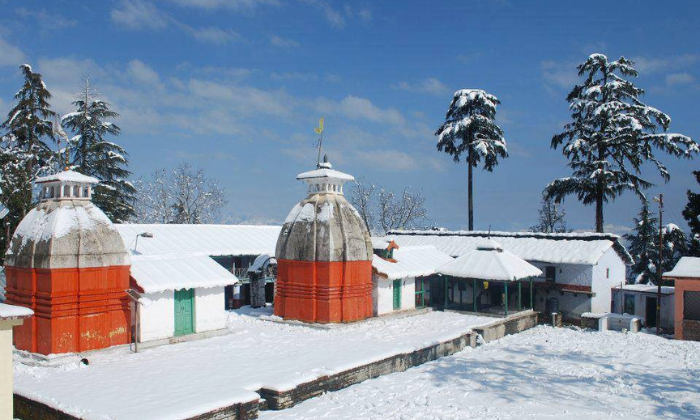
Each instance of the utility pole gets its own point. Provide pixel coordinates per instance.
(659, 268)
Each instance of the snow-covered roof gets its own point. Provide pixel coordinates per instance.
(555, 248)
(68, 176)
(325, 173)
(685, 267)
(379, 243)
(157, 273)
(209, 240)
(646, 288)
(411, 261)
(490, 262)
(12, 311)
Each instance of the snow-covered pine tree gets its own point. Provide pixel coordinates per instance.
(25, 148)
(94, 155)
(470, 132)
(551, 218)
(675, 246)
(691, 213)
(612, 134)
(643, 246)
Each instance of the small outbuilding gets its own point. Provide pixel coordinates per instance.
(401, 276)
(10, 316)
(686, 276)
(184, 296)
(640, 300)
(488, 280)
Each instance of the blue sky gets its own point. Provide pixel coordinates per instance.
(237, 86)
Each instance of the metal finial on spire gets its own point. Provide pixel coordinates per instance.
(319, 131)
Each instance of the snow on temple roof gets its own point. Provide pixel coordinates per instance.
(68, 176)
(685, 267)
(555, 248)
(208, 240)
(158, 273)
(325, 173)
(13, 312)
(646, 288)
(411, 261)
(489, 262)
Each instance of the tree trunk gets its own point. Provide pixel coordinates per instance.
(470, 190)
(599, 194)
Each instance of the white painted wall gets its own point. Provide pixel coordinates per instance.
(640, 304)
(603, 281)
(6, 370)
(576, 274)
(383, 294)
(158, 319)
(210, 311)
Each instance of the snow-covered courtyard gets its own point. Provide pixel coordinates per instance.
(183, 380)
(542, 373)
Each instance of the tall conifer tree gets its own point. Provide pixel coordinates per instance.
(94, 155)
(612, 134)
(470, 132)
(691, 213)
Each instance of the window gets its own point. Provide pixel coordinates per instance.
(66, 190)
(691, 306)
(629, 304)
(550, 273)
(76, 191)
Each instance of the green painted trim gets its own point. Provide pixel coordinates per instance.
(505, 295)
(474, 293)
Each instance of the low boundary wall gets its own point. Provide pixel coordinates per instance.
(271, 399)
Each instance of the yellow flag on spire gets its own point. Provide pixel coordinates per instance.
(319, 129)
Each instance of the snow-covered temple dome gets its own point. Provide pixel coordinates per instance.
(66, 230)
(68, 263)
(324, 255)
(324, 226)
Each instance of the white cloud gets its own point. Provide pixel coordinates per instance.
(138, 14)
(335, 17)
(363, 109)
(559, 74)
(283, 42)
(431, 86)
(301, 77)
(678, 79)
(365, 15)
(46, 20)
(142, 73)
(388, 160)
(10, 55)
(235, 5)
(214, 35)
(659, 64)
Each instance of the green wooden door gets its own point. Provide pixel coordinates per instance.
(397, 294)
(184, 312)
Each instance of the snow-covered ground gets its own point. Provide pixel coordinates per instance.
(543, 373)
(183, 380)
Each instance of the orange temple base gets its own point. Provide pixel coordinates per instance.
(75, 310)
(324, 292)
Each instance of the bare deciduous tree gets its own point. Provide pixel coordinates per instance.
(383, 210)
(179, 196)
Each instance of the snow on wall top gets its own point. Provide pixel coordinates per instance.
(12, 311)
(555, 248)
(685, 267)
(325, 173)
(411, 261)
(490, 263)
(67, 176)
(646, 288)
(207, 240)
(158, 273)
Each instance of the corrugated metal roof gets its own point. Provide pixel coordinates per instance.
(157, 273)
(209, 240)
(567, 248)
(411, 261)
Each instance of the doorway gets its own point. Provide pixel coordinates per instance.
(651, 311)
(397, 294)
(184, 312)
